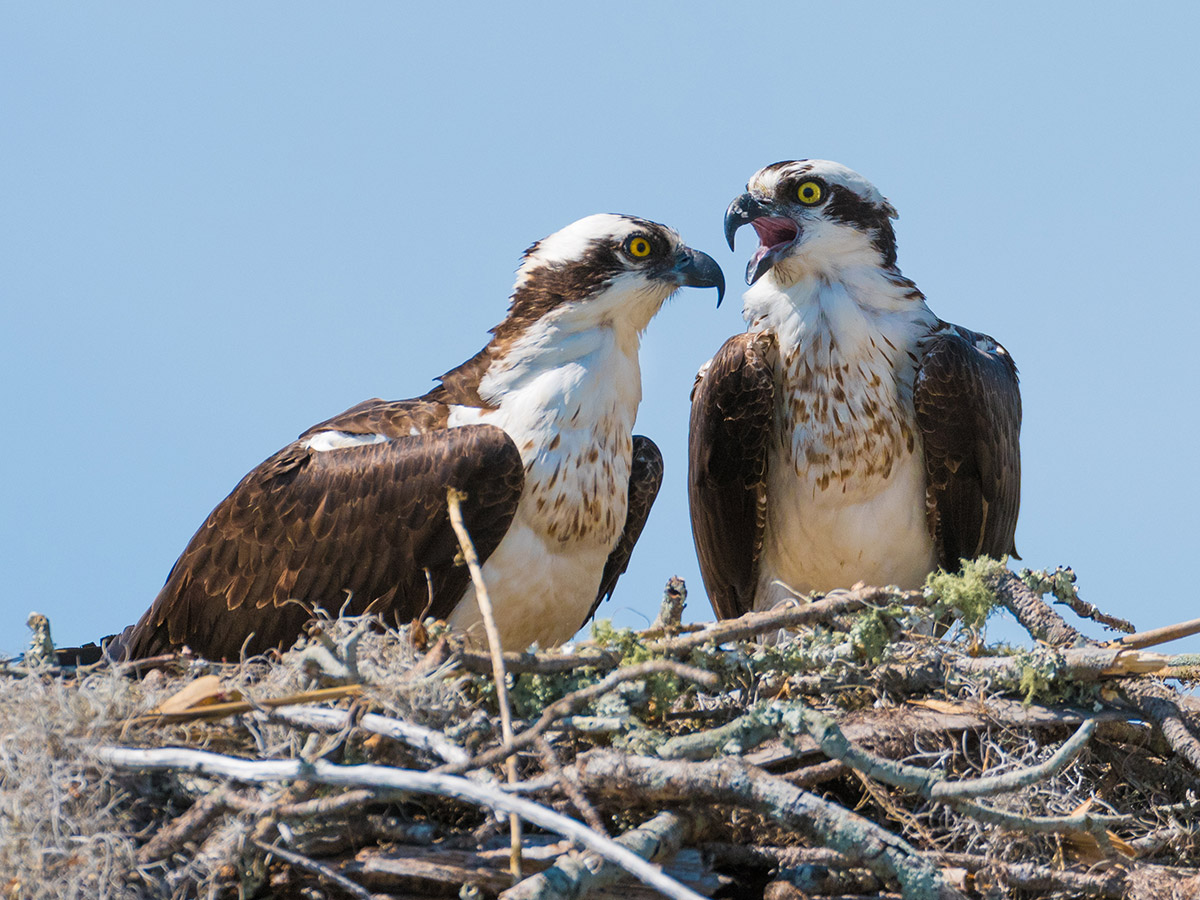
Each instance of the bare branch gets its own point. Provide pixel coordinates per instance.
(311, 865)
(1161, 635)
(417, 736)
(731, 781)
(576, 699)
(388, 779)
(572, 876)
(1031, 610)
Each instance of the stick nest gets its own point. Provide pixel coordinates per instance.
(868, 743)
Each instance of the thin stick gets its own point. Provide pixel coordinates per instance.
(417, 736)
(311, 865)
(454, 500)
(387, 779)
(742, 628)
(221, 710)
(1161, 635)
(574, 700)
(575, 875)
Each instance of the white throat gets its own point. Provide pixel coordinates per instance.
(860, 304)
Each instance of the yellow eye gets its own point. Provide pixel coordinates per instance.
(638, 247)
(809, 192)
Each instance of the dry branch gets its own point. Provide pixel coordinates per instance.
(731, 781)
(574, 875)
(1031, 610)
(388, 779)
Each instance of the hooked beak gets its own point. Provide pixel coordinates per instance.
(696, 269)
(776, 234)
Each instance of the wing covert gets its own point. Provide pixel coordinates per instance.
(733, 407)
(968, 407)
(355, 527)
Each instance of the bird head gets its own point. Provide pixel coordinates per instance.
(607, 270)
(812, 217)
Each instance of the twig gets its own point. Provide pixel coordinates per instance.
(670, 613)
(574, 875)
(576, 699)
(186, 826)
(1023, 876)
(1061, 583)
(388, 779)
(454, 503)
(810, 776)
(742, 628)
(417, 736)
(1159, 705)
(833, 742)
(753, 624)
(731, 781)
(1161, 635)
(305, 808)
(311, 865)
(565, 781)
(1031, 610)
(221, 710)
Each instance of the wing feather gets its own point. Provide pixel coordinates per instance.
(645, 478)
(968, 406)
(310, 529)
(733, 405)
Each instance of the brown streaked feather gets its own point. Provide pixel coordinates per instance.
(968, 408)
(354, 527)
(645, 478)
(733, 408)
(392, 418)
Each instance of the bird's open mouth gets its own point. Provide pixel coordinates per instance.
(775, 234)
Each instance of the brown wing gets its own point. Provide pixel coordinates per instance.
(360, 524)
(645, 478)
(393, 418)
(968, 407)
(733, 406)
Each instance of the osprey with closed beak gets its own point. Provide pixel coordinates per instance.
(535, 430)
(849, 434)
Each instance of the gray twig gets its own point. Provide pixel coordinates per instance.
(573, 875)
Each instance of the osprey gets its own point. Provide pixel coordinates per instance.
(535, 430)
(849, 434)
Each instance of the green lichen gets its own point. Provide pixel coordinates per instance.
(1060, 582)
(869, 635)
(965, 593)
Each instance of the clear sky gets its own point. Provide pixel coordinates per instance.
(221, 223)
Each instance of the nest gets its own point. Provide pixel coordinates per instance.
(857, 745)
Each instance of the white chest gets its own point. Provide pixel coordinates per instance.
(573, 429)
(846, 479)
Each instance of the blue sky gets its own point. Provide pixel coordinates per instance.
(221, 223)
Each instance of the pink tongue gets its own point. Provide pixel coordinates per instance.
(774, 230)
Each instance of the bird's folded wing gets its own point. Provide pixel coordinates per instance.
(645, 478)
(358, 528)
(968, 408)
(732, 412)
